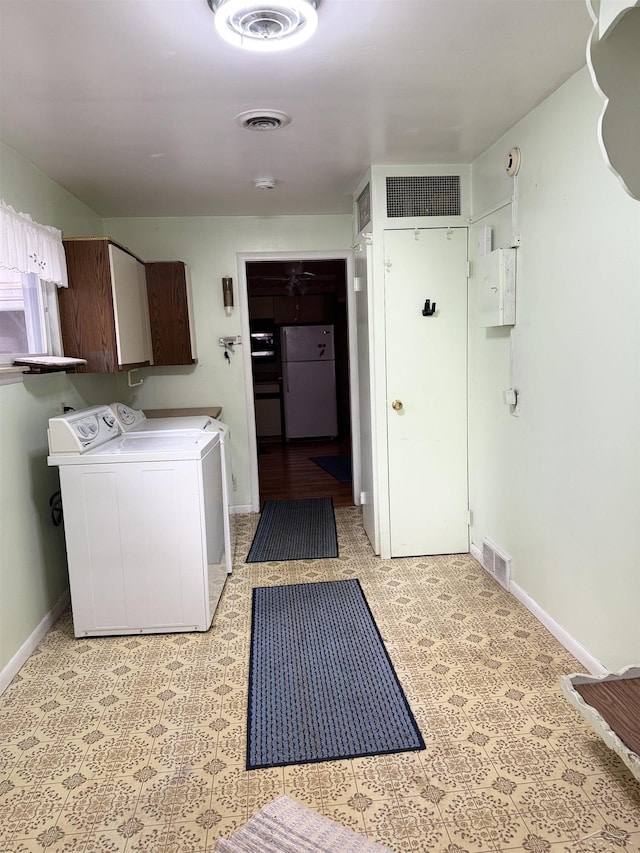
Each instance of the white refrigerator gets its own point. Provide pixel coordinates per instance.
(308, 381)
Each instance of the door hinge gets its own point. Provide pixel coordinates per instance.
(357, 284)
(469, 517)
(468, 269)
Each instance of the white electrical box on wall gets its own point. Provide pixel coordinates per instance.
(495, 279)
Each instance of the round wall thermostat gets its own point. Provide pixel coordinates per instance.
(512, 162)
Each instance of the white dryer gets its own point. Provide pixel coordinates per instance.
(144, 524)
(135, 421)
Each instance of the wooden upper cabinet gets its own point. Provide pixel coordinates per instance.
(171, 313)
(310, 308)
(104, 314)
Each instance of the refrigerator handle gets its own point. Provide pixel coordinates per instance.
(285, 375)
(284, 345)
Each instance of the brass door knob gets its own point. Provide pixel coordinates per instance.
(396, 405)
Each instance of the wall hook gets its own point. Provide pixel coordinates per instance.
(429, 309)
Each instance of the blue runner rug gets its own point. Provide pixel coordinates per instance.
(339, 466)
(321, 684)
(295, 530)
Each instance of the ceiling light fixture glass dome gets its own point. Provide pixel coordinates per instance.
(265, 26)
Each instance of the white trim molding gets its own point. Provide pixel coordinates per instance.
(32, 642)
(593, 666)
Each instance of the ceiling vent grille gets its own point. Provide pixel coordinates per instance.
(263, 120)
(423, 195)
(363, 207)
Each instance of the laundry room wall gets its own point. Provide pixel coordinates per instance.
(33, 573)
(209, 245)
(555, 483)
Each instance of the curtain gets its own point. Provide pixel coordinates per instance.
(28, 247)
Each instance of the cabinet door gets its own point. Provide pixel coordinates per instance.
(312, 308)
(170, 313)
(86, 307)
(103, 313)
(261, 307)
(131, 314)
(286, 309)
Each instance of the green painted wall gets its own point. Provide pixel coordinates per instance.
(33, 573)
(557, 485)
(208, 245)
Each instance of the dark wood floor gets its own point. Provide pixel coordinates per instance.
(286, 471)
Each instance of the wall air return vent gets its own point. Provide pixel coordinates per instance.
(423, 195)
(497, 563)
(363, 208)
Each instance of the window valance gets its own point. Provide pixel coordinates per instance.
(28, 247)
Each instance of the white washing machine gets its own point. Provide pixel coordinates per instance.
(144, 524)
(135, 421)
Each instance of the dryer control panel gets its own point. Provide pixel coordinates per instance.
(77, 432)
(127, 417)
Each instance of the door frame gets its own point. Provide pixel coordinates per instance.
(243, 297)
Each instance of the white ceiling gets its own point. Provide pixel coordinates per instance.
(130, 104)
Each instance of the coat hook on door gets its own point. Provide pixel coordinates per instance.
(429, 309)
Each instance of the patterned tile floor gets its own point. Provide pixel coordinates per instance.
(137, 744)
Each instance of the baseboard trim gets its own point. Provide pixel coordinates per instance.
(592, 665)
(31, 643)
(476, 553)
(240, 509)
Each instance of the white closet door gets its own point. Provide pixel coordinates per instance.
(426, 376)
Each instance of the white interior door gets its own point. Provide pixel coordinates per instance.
(426, 380)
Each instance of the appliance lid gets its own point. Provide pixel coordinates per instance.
(180, 424)
(145, 447)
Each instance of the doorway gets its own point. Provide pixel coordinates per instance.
(308, 295)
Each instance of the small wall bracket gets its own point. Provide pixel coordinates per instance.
(129, 382)
(429, 309)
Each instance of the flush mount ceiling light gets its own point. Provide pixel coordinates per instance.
(265, 26)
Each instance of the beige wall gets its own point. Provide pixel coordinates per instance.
(557, 485)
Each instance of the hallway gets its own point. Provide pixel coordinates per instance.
(286, 471)
(137, 744)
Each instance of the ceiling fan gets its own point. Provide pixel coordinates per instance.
(296, 278)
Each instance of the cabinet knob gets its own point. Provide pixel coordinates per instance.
(396, 405)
